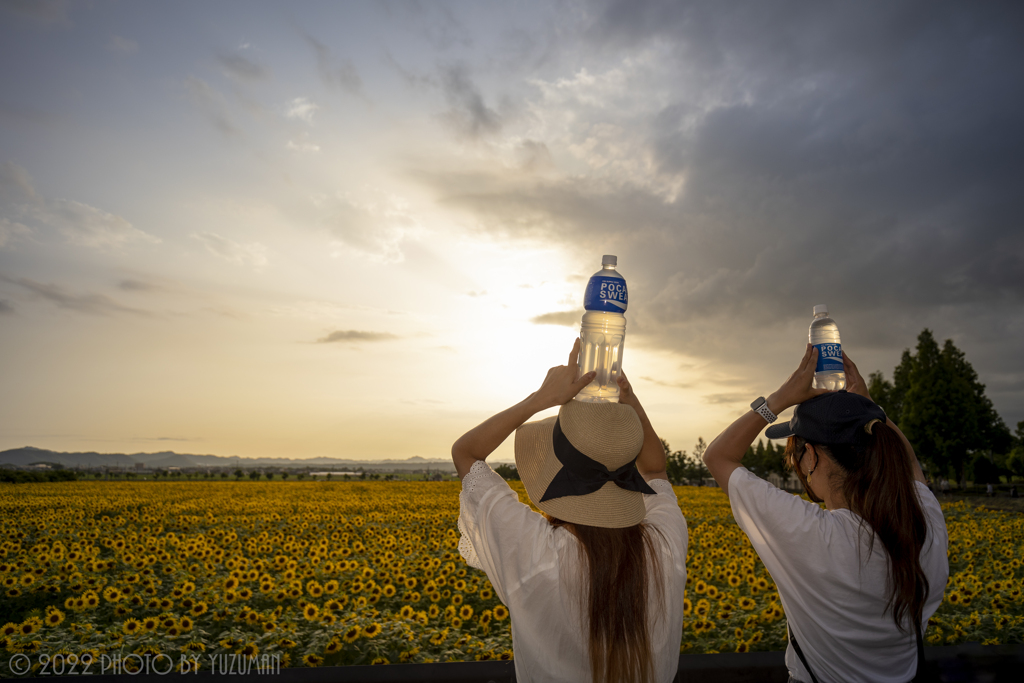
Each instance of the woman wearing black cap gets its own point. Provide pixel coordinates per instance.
(595, 585)
(859, 579)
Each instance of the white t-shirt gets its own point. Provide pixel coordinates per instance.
(833, 598)
(533, 567)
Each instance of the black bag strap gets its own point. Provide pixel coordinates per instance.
(800, 653)
(921, 674)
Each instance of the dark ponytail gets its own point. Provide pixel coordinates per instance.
(879, 487)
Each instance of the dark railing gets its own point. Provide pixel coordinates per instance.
(956, 664)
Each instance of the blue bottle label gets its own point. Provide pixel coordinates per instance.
(606, 294)
(830, 358)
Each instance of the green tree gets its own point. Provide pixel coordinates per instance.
(239, 474)
(1015, 459)
(936, 399)
(675, 464)
(507, 471)
(254, 475)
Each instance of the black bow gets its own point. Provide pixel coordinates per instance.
(581, 475)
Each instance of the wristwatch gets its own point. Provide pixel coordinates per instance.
(760, 406)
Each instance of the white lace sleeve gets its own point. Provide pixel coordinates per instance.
(479, 478)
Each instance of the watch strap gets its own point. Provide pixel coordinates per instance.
(763, 410)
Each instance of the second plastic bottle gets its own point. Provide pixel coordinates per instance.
(603, 332)
(824, 336)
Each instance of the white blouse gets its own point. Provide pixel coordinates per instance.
(534, 568)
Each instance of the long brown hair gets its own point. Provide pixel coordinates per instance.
(878, 484)
(619, 567)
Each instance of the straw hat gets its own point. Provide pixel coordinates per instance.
(610, 434)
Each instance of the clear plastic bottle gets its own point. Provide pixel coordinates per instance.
(603, 332)
(824, 336)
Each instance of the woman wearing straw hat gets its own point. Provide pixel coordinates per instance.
(859, 579)
(595, 586)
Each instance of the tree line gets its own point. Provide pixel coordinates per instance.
(936, 399)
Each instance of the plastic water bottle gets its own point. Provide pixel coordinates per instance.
(603, 332)
(824, 336)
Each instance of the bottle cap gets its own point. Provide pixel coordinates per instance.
(821, 308)
(609, 260)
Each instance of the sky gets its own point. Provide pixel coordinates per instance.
(359, 229)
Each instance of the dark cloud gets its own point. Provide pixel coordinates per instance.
(566, 318)
(334, 73)
(467, 114)
(356, 336)
(212, 104)
(240, 68)
(867, 158)
(137, 286)
(93, 304)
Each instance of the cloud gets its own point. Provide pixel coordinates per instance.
(79, 223)
(302, 145)
(355, 336)
(16, 184)
(242, 69)
(747, 165)
(467, 114)
(122, 45)
(716, 399)
(253, 254)
(301, 108)
(670, 385)
(137, 286)
(566, 318)
(93, 304)
(212, 104)
(6, 307)
(371, 221)
(10, 230)
(335, 74)
(91, 227)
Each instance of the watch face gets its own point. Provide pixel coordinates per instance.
(757, 403)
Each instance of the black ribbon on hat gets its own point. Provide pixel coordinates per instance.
(581, 474)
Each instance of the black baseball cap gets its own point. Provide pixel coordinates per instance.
(837, 417)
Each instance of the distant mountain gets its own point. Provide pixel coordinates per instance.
(28, 455)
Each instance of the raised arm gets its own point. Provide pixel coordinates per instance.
(725, 453)
(651, 463)
(559, 387)
(855, 384)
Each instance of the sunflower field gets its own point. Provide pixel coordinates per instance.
(335, 573)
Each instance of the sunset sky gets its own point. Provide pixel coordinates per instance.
(358, 229)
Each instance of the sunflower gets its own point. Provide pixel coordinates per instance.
(132, 626)
(150, 624)
(53, 617)
(351, 634)
(466, 613)
(372, 630)
(333, 646)
(433, 611)
(407, 612)
(500, 612)
(310, 612)
(456, 623)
